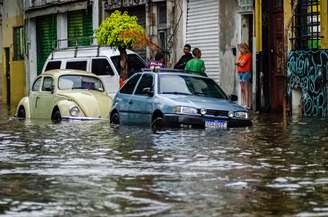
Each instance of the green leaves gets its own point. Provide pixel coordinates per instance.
(120, 30)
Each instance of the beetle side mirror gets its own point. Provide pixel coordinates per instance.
(148, 91)
(233, 98)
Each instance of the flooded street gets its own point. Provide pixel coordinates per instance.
(88, 169)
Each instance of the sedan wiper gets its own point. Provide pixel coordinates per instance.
(176, 93)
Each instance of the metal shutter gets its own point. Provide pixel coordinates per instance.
(79, 27)
(46, 39)
(203, 32)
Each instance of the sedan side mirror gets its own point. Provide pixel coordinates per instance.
(148, 92)
(234, 98)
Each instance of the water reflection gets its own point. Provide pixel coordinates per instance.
(88, 169)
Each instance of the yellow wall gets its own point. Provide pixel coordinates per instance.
(258, 25)
(287, 22)
(17, 68)
(324, 23)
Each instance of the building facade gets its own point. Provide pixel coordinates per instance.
(13, 56)
(307, 57)
(217, 27)
(291, 56)
(55, 24)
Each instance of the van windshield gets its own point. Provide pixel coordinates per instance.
(70, 82)
(135, 64)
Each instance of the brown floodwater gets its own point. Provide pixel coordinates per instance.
(88, 169)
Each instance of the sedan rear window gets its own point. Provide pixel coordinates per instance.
(69, 82)
(189, 85)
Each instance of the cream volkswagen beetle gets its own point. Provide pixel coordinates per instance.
(66, 94)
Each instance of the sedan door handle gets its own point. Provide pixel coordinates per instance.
(130, 103)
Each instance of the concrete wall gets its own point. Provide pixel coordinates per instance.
(179, 29)
(13, 17)
(229, 38)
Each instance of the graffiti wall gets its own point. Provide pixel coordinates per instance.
(308, 71)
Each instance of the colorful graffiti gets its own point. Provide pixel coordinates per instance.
(308, 71)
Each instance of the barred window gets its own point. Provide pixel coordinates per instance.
(306, 25)
(18, 43)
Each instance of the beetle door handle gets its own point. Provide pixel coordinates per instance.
(36, 101)
(130, 102)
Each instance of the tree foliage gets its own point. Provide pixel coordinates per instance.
(121, 31)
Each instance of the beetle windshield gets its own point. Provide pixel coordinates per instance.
(69, 82)
(189, 85)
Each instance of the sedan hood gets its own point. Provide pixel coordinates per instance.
(93, 103)
(204, 102)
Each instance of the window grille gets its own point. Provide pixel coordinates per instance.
(18, 43)
(306, 25)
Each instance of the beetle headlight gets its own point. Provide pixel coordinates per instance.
(185, 110)
(74, 111)
(241, 115)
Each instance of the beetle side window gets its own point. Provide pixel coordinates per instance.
(101, 67)
(53, 65)
(130, 85)
(37, 84)
(145, 82)
(79, 65)
(48, 84)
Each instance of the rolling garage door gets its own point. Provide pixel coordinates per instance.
(203, 32)
(46, 39)
(79, 27)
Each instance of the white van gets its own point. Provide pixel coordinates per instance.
(102, 61)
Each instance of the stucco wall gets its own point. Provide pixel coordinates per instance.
(12, 17)
(229, 21)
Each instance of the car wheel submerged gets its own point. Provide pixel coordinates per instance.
(56, 116)
(21, 113)
(115, 120)
(157, 124)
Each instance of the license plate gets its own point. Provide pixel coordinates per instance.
(216, 124)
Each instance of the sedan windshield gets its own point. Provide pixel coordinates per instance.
(189, 85)
(69, 82)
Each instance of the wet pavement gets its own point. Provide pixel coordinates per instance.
(88, 169)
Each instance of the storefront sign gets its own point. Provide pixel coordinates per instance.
(114, 4)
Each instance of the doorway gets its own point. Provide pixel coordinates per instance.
(273, 45)
(7, 73)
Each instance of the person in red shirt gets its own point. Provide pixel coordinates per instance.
(244, 68)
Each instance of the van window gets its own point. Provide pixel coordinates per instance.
(101, 67)
(80, 65)
(135, 64)
(53, 65)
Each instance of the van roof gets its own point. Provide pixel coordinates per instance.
(86, 51)
(59, 72)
